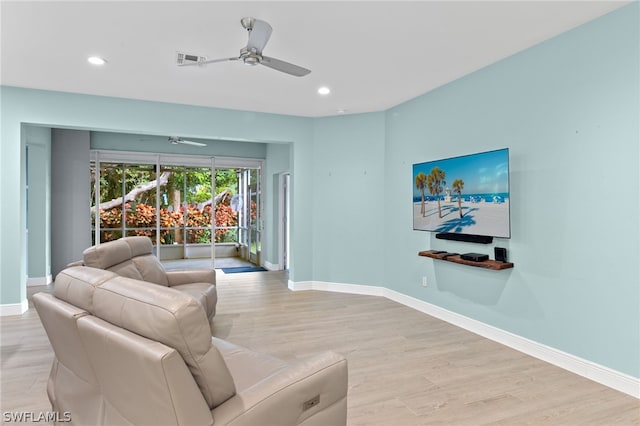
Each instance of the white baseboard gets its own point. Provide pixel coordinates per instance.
(14, 308)
(368, 290)
(300, 285)
(598, 373)
(271, 266)
(36, 281)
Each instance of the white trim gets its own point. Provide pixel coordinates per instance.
(284, 194)
(368, 290)
(188, 160)
(582, 367)
(300, 285)
(14, 308)
(38, 281)
(271, 266)
(281, 217)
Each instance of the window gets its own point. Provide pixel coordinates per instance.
(178, 201)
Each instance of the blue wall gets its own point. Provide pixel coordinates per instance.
(567, 109)
(38, 141)
(278, 161)
(348, 199)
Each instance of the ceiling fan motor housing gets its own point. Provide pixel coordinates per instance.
(247, 23)
(250, 57)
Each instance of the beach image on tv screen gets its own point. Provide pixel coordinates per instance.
(467, 194)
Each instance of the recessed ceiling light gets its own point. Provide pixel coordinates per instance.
(96, 60)
(341, 111)
(324, 90)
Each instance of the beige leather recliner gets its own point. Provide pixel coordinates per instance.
(133, 257)
(128, 353)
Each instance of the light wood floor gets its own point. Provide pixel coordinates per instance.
(405, 367)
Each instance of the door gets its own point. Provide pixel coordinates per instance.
(189, 206)
(249, 214)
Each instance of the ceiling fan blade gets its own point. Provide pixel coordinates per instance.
(176, 140)
(283, 66)
(191, 143)
(259, 33)
(209, 61)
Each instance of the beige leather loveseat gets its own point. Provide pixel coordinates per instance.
(130, 353)
(133, 257)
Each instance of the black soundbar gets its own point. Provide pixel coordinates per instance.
(481, 239)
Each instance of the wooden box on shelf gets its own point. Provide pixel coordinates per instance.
(487, 264)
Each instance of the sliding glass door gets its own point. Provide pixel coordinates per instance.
(250, 216)
(190, 207)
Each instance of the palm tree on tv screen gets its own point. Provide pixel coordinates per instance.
(458, 185)
(421, 184)
(436, 183)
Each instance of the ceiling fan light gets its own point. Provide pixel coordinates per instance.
(251, 61)
(324, 90)
(96, 60)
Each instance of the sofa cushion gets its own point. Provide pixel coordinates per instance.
(59, 319)
(72, 384)
(204, 293)
(147, 265)
(247, 367)
(76, 285)
(139, 245)
(144, 382)
(173, 318)
(127, 269)
(151, 269)
(106, 255)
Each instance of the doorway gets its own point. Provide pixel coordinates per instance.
(203, 209)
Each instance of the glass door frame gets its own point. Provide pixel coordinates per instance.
(126, 157)
(250, 229)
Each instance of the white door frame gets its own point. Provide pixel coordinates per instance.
(284, 194)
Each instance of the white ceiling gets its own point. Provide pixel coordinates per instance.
(373, 55)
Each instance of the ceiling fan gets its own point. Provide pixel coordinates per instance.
(251, 54)
(176, 140)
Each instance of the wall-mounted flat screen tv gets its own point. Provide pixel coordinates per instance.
(463, 195)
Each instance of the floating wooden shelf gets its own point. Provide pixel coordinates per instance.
(487, 264)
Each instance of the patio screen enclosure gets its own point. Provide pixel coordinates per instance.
(190, 206)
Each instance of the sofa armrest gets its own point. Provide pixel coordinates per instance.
(191, 276)
(315, 387)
